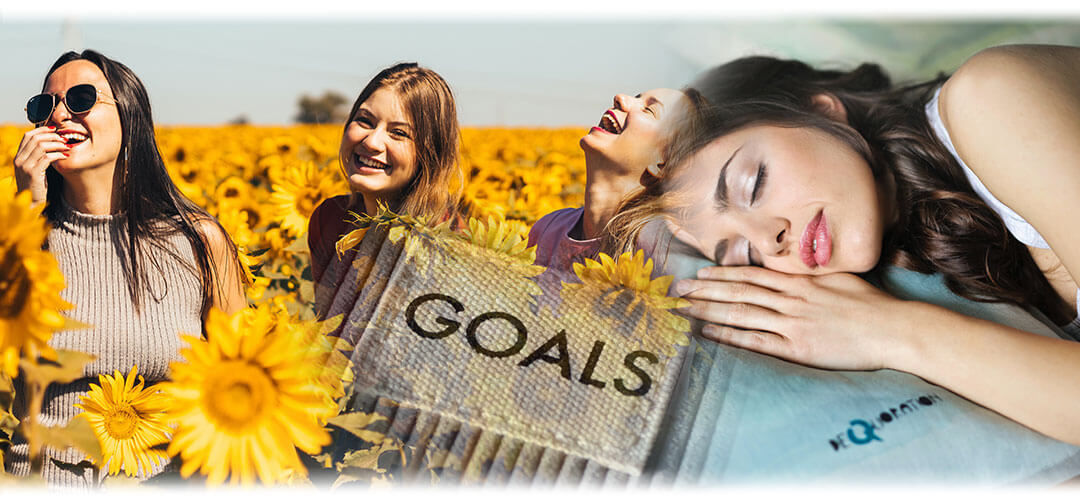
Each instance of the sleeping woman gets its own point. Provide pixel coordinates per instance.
(800, 178)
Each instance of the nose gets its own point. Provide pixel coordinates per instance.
(60, 112)
(374, 140)
(770, 236)
(622, 101)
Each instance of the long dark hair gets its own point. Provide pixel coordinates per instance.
(435, 190)
(151, 204)
(943, 226)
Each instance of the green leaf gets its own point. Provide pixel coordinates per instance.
(356, 423)
(76, 433)
(345, 478)
(67, 367)
(298, 246)
(363, 459)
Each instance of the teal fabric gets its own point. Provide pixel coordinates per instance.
(742, 417)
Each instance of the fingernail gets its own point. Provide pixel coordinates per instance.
(65, 153)
(52, 127)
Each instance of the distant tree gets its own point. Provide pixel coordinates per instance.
(240, 120)
(330, 108)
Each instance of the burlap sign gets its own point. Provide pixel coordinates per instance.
(449, 323)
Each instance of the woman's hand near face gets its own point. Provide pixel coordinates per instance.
(38, 149)
(835, 321)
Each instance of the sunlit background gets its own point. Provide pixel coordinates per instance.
(556, 72)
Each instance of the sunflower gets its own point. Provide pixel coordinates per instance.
(299, 190)
(30, 285)
(506, 237)
(623, 288)
(232, 190)
(128, 421)
(246, 399)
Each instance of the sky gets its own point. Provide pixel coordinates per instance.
(205, 63)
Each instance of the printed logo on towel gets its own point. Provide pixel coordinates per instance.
(863, 431)
(635, 381)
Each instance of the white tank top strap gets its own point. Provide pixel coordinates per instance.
(1019, 227)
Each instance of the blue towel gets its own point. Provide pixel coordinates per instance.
(742, 417)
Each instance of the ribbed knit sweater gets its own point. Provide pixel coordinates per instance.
(89, 251)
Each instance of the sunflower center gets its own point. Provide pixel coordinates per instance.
(253, 217)
(14, 284)
(239, 393)
(121, 421)
(306, 204)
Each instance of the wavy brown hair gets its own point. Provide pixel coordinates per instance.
(435, 191)
(943, 226)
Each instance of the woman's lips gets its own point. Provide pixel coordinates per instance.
(816, 235)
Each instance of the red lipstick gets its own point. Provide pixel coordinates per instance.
(815, 246)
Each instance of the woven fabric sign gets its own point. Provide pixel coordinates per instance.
(449, 323)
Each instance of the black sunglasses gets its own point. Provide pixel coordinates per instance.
(78, 99)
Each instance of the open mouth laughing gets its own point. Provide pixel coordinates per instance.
(72, 137)
(369, 162)
(610, 124)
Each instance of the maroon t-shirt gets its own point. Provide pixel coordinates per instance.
(329, 222)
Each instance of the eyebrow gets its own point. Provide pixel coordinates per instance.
(396, 124)
(721, 195)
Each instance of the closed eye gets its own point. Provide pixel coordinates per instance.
(751, 258)
(759, 183)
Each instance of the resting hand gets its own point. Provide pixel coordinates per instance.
(835, 321)
(38, 149)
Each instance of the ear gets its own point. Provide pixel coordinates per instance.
(830, 106)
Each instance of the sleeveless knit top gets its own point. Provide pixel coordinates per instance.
(1023, 231)
(89, 251)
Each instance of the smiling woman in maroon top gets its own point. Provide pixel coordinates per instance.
(399, 148)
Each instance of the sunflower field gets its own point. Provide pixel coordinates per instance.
(262, 184)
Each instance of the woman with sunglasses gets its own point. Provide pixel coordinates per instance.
(399, 148)
(142, 263)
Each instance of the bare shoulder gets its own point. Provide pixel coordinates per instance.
(1001, 81)
(212, 232)
(1013, 113)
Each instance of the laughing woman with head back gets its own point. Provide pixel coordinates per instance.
(142, 263)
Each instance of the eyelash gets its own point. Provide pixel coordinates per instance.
(759, 183)
(750, 255)
(364, 121)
